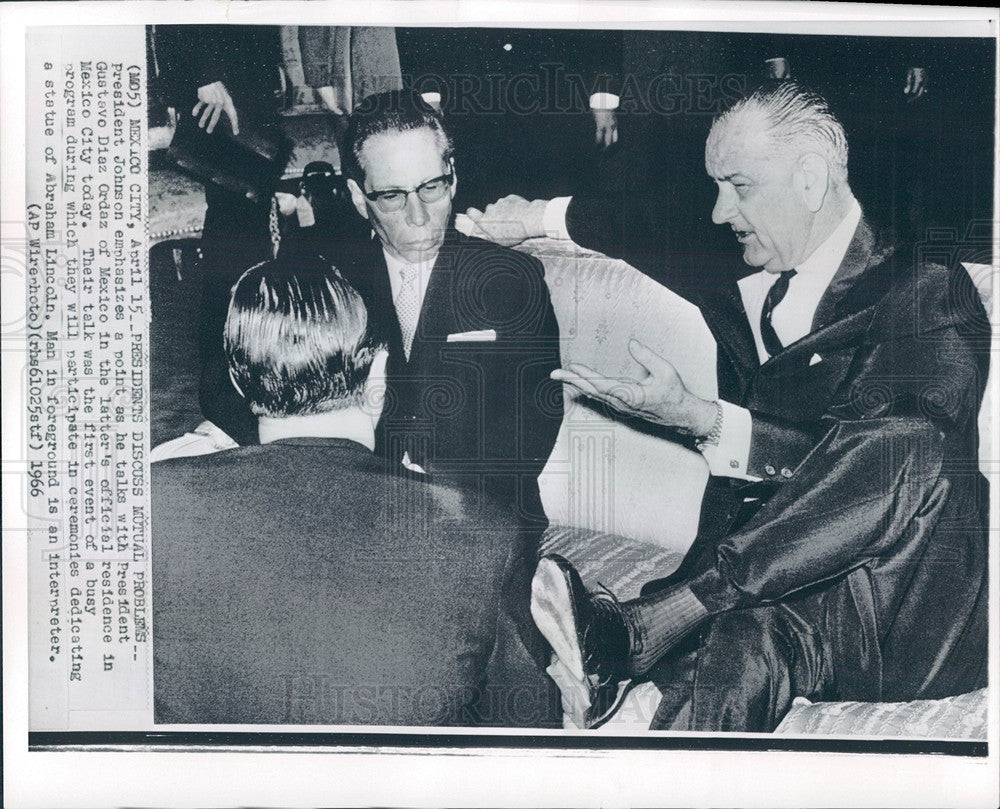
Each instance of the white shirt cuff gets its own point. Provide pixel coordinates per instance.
(554, 218)
(604, 101)
(730, 456)
(433, 99)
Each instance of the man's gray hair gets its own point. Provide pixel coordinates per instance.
(392, 111)
(797, 118)
(298, 338)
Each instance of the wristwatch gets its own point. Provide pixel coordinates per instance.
(715, 434)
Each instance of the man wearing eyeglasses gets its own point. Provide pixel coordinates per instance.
(471, 331)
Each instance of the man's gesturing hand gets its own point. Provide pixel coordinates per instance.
(508, 221)
(659, 397)
(216, 100)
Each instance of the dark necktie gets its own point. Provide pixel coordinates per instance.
(774, 296)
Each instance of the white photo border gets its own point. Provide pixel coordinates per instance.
(378, 774)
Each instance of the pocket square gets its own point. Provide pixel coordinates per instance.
(816, 358)
(483, 336)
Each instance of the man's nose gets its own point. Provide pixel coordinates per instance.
(725, 208)
(416, 212)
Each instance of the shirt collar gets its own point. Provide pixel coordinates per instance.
(826, 258)
(397, 265)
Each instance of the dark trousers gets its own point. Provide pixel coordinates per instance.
(747, 669)
(881, 595)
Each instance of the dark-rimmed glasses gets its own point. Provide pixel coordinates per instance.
(394, 199)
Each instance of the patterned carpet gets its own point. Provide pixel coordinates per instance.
(176, 213)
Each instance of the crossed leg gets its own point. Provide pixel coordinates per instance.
(748, 667)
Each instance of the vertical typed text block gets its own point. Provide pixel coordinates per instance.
(87, 386)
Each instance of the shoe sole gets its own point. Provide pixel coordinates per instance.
(552, 610)
(624, 689)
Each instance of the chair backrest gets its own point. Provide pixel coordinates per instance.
(982, 276)
(605, 474)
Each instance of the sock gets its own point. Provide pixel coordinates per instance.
(658, 622)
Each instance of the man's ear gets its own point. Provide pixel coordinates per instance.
(812, 180)
(232, 378)
(358, 197)
(374, 390)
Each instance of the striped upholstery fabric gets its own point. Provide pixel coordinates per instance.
(621, 564)
(961, 717)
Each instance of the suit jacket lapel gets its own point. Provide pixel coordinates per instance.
(863, 253)
(737, 359)
(839, 325)
(385, 311)
(436, 319)
(854, 287)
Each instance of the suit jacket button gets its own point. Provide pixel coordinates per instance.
(770, 470)
(786, 472)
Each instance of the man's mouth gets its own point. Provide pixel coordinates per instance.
(423, 244)
(742, 235)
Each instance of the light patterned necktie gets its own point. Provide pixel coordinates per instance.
(408, 304)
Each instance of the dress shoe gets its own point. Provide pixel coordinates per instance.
(591, 637)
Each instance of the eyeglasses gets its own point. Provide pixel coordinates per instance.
(394, 199)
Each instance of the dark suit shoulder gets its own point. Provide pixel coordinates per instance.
(500, 288)
(477, 510)
(927, 295)
(490, 251)
(173, 468)
(261, 464)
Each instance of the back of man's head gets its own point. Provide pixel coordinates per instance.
(394, 111)
(298, 339)
(796, 118)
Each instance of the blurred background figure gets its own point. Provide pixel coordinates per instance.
(316, 212)
(345, 64)
(229, 79)
(517, 100)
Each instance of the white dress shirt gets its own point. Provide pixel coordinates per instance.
(792, 320)
(396, 267)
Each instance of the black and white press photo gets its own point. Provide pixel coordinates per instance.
(513, 216)
(569, 387)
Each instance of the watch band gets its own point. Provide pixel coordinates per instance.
(715, 434)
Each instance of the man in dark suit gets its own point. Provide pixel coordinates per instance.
(471, 332)
(296, 581)
(842, 551)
